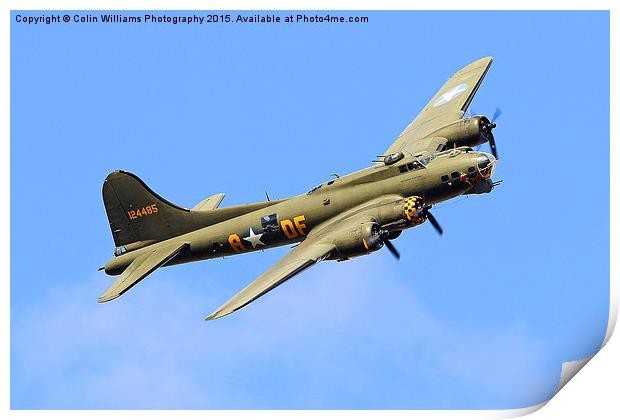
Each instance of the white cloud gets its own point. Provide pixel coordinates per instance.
(339, 336)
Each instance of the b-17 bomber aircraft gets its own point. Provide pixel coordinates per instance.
(432, 160)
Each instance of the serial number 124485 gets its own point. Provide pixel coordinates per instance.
(144, 211)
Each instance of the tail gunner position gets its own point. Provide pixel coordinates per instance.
(432, 160)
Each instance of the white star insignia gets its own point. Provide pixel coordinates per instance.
(451, 94)
(254, 239)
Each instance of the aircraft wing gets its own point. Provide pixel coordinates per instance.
(309, 252)
(316, 247)
(448, 105)
(140, 268)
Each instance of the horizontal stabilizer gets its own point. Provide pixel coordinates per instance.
(210, 203)
(140, 268)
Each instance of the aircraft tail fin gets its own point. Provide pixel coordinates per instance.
(136, 213)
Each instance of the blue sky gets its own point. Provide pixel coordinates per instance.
(481, 318)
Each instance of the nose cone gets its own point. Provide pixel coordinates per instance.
(486, 164)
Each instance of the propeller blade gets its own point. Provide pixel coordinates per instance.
(434, 222)
(392, 248)
(493, 146)
(498, 112)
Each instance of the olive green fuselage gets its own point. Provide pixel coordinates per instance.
(291, 220)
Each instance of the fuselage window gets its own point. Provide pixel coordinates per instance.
(456, 175)
(471, 169)
(403, 168)
(445, 178)
(269, 222)
(330, 182)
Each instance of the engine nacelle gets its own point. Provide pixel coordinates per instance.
(466, 132)
(401, 214)
(367, 235)
(360, 240)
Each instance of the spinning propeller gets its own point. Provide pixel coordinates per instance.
(390, 246)
(423, 211)
(432, 219)
(487, 128)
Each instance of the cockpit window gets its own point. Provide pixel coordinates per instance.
(411, 166)
(426, 160)
(415, 165)
(471, 169)
(315, 188)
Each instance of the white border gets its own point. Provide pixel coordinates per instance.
(599, 379)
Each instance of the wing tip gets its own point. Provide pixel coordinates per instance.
(481, 62)
(106, 298)
(222, 311)
(487, 59)
(215, 315)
